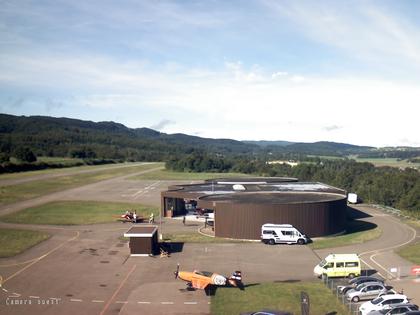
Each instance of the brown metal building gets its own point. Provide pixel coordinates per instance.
(143, 240)
(242, 205)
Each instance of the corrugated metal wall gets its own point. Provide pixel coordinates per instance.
(243, 221)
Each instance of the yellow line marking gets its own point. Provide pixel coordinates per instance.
(116, 291)
(41, 257)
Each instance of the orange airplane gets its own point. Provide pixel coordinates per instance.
(208, 281)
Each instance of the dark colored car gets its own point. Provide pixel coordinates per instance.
(267, 312)
(398, 309)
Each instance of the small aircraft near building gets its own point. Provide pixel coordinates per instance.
(209, 281)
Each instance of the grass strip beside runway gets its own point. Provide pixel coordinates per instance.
(172, 175)
(76, 212)
(14, 241)
(28, 190)
(284, 296)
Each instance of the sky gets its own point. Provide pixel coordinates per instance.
(302, 71)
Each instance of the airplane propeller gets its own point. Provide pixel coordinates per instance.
(177, 271)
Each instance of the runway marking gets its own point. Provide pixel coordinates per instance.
(142, 302)
(167, 303)
(76, 300)
(97, 301)
(121, 302)
(34, 297)
(118, 290)
(190, 303)
(41, 257)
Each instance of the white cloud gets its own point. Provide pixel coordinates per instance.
(359, 29)
(233, 101)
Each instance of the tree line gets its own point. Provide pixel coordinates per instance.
(382, 185)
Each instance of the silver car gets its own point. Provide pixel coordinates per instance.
(367, 291)
(397, 309)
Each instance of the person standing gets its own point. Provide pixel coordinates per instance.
(183, 220)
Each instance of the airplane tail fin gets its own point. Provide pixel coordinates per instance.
(236, 280)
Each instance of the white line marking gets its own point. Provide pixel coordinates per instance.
(166, 303)
(34, 297)
(76, 300)
(190, 303)
(121, 302)
(141, 302)
(97, 301)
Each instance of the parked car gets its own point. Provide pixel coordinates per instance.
(355, 282)
(267, 312)
(383, 302)
(367, 291)
(405, 309)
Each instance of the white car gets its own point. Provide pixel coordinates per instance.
(382, 302)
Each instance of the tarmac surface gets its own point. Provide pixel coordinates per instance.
(87, 269)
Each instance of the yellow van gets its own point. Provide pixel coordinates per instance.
(339, 265)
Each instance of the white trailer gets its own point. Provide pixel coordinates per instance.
(352, 198)
(281, 233)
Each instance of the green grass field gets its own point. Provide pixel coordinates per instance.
(411, 253)
(76, 212)
(393, 162)
(357, 232)
(33, 189)
(283, 296)
(171, 175)
(13, 241)
(195, 237)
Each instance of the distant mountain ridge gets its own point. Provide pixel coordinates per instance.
(52, 136)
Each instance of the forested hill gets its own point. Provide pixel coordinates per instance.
(61, 137)
(51, 136)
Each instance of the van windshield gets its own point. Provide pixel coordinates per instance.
(322, 263)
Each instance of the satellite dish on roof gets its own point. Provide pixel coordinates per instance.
(238, 187)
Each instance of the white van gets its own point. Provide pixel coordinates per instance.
(339, 265)
(281, 233)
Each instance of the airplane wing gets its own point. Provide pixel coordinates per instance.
(200, 283)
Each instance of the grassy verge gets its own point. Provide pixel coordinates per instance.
(76, 212)
(411, 253)
(33, 189)
(171, 175)
(195, 238)
(277, 296)
(357, 232)
(13, 242)
(393, 162)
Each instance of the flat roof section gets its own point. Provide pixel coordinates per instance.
(210, 188)
(141, 231)
(275, 197)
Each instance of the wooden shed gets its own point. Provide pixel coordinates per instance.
(143, 240)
